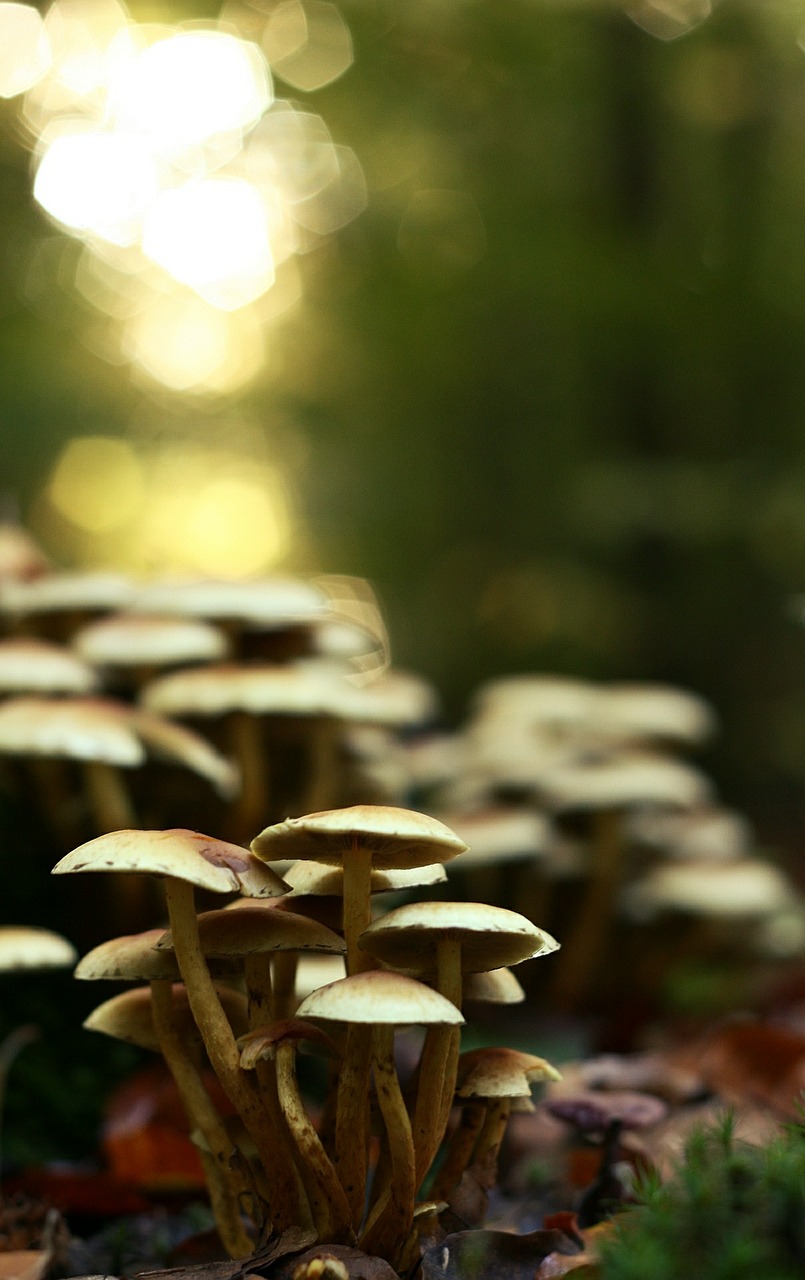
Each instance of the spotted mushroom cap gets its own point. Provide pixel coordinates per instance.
(398, 838)
(186, 855)
(490, 937)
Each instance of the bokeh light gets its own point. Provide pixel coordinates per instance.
(162, 149)
(24, 49)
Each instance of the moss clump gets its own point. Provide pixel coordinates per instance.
(731, 1212)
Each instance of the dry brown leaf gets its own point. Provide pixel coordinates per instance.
(24, 1264)
(493, 1255)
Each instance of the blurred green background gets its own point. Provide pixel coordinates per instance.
(547, 391)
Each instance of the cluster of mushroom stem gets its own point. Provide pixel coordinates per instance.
(270, 1168)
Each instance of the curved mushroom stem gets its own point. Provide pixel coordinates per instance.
(221, 1049)
(438, 1064)
(390, 1222)
(331, 1214)
(229, 1180)
(581, 952)
(248, 747)
(459, 1149)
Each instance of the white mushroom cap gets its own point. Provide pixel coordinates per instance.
(128, 1016)
(706, 833)
(128, 959)
(131, 639)
(635, 712)
(739, 888)
(328, 881)
(37, 666)
(496, 986)
(554, 702)
(59, 592)
(293, 689)
(24, 947)
(625, 780)
(268, 603)
(500, 834)
(397, 837)
(76, 728)
(378, 996)
(490, 937)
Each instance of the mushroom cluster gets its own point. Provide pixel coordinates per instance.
(223, 988)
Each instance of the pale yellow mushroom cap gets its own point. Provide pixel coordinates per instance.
(76, 728)
(253, 929)
(268, 603)
(636, 711)
(397, 837)
(490, 937)
(131, 639)
(380, 997)
(740, 887)
(128, 1016)
(501, 1073)
(24, 947)
(131, 958)
(59, 592)
(495, 986)
(186, 855)
(294, 689)
(622, 781)
(328, 881)
(28, 665)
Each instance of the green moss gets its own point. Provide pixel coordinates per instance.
(731, 1212)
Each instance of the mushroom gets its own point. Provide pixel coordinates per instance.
(446, 939)
(381, 1000)
(186, 859)
(136, 646)
(60, 603)
(29, 665)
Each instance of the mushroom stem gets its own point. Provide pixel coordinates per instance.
(257, 974)
(485, 1155)
(357, 904)
(284, 973)
(219, 1042)
(331, 1214)
(438, 1064)
(352, 1118)
(322, 780)
(459, 1150)
(229, 1181)
(390, 1222)
(251, 806)
(109, 797)
(581, 952)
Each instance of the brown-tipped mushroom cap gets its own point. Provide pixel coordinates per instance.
(128, 1016)
(380, 997)
(252, 930)
(185, 855)
(328, 881)
(263, 1041)
(397, 837)
(138, 640)
(500, 1073)
(29, 665)
(490, 937)
(24, 947)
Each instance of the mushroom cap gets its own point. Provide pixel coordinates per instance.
(398, 838)
(738, 888)
(556, 702)
(622, 781)
(592, 1111)
(25, 947)
(29, 665)
(311, 689)
(636, 711)
(131, 958)
(133, 639)
(76, 728)
(500, 1073)
(495, 986)
(501, 834)
(127, 1016)
(706, 833)
(314, 971)
(490, 937)
(269, 603)
(252, 930)
(379, 996)
(185, 855)
(328, 881)
(20, 557)
(394, 698)
(179, 745)
(57, 592)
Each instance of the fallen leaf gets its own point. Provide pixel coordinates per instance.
(493, 1255)
(361, 1266)
(290, 1242)
(24, 1264)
